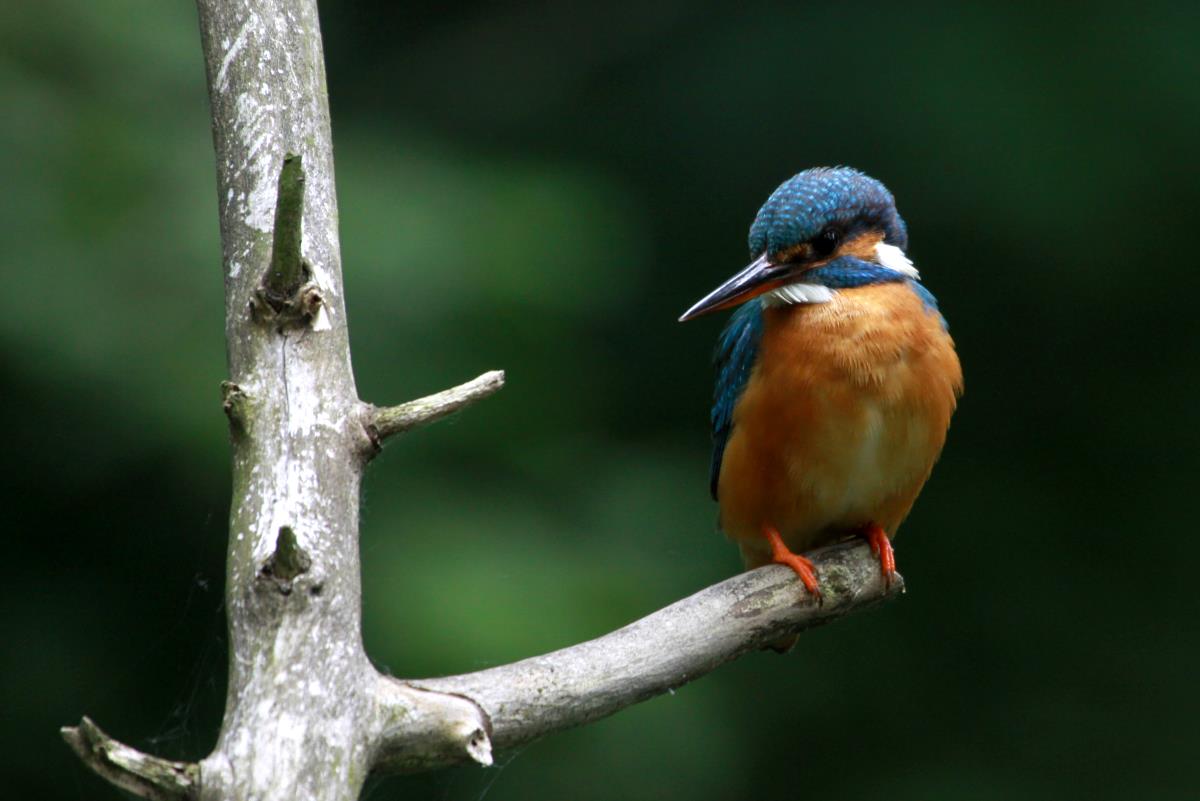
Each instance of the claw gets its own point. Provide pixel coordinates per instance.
(882, 546)
(804, 568)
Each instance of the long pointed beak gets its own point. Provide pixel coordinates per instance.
(755, 279)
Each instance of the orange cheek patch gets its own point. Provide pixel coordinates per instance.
(861, 246)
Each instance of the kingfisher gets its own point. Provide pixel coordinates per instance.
(835, 378)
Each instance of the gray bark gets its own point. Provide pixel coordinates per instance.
(306, 715)
(296, 666)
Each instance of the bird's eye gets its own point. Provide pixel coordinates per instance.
(825, 242)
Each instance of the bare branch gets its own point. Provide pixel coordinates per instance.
(130, 769)
(656, 654)
(384, 422)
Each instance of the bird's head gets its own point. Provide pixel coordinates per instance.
(814, 218)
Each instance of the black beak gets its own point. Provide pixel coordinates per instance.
(755, 279)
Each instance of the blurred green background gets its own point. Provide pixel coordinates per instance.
(544, 188)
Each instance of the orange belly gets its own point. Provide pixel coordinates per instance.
(841, 420)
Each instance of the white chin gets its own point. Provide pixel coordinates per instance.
(797, 293)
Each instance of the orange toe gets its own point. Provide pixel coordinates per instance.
(803, 567)
(882, 546)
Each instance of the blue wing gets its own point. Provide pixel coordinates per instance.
(733, 360)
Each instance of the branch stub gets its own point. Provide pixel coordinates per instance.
(288, 561)
(131, 770)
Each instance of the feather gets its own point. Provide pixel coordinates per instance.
(894, 259)
(798, 293)
(733, 359)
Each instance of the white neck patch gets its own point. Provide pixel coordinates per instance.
(894, 259)
(789, 294)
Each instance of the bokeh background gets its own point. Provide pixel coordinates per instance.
(544, 188)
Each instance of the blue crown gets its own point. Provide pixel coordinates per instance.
(804, 205)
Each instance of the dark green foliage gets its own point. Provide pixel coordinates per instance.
(543, 190)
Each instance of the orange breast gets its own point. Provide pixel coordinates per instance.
(841, 420)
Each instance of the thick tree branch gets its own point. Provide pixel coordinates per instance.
(677, 644)
(130, 769)
(384, 422)
(423, 724)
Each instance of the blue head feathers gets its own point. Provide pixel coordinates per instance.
(821, 197)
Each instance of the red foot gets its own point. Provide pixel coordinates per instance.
(780, 554)
(882, 546)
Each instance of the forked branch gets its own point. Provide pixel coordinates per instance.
(431, 723)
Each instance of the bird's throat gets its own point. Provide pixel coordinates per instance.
(793, 294)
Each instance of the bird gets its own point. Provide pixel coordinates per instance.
(836, 376)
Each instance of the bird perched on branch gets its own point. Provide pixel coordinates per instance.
(836, 377)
